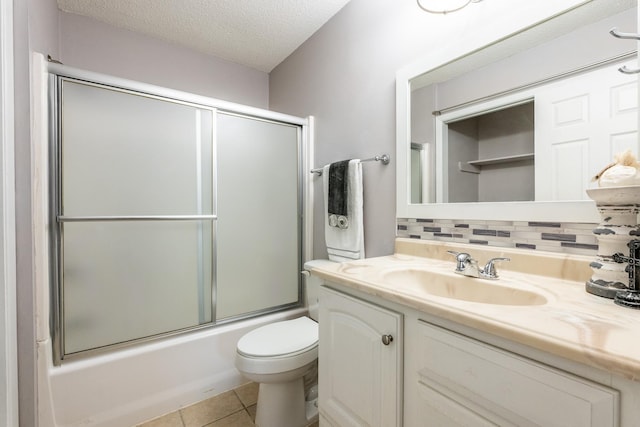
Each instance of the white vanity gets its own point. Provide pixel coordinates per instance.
(404, 341)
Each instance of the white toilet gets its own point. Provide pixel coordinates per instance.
(277, 356)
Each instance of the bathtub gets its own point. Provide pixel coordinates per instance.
(129, 386)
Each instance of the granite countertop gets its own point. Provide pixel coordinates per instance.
(572, 323)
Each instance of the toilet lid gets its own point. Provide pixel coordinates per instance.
(280, 338)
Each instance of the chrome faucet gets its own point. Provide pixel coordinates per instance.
(468, 266)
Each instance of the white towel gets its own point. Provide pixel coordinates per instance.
(346, 244)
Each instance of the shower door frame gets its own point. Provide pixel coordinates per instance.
(57, 73)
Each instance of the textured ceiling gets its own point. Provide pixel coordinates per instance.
(257, 33)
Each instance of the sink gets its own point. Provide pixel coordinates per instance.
(453, 286)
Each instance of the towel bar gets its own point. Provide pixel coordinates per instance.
(385, 159)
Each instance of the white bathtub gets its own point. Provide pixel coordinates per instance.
(129, 386)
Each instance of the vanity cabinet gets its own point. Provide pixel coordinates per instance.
(436, 372)
(360, 362)
(459, 381)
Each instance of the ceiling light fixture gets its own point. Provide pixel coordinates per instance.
(444, 6)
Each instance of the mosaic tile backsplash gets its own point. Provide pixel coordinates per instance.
(565, 237)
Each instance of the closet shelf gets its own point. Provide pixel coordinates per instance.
(505, 159)
(475, 166)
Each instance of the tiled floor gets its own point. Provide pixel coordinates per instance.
(236, 408)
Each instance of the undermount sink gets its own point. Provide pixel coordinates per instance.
(418, 280)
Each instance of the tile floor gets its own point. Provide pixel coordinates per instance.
(235, 408)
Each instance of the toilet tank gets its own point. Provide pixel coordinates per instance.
(312, 286)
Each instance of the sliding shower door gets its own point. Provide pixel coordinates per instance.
(259, 215)
(135, 214)
(167, 215)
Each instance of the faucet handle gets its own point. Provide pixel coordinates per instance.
(462, 258)
(455, 254)
(489, 270)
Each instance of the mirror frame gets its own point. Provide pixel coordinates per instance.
(543, 21)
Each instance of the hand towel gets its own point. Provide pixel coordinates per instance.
(338, 193)
(346, 244)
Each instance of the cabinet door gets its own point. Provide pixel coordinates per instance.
(360, 376)
(469, 383)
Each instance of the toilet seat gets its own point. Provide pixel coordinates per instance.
(278, 348)
(280, 339)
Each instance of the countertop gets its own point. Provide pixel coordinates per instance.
(572, 324)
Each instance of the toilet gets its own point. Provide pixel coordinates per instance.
(278, 356)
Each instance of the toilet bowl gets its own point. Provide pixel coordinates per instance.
(278, 356)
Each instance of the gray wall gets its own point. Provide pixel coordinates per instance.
(24, 283)
(35, 28)
(506, 132)
(344, 75)
(586, 45)
(92, 45)
(423, 104)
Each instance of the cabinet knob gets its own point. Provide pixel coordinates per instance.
(387, 339)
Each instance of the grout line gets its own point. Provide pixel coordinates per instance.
(238, 397)
(227, 416)
(244, 408)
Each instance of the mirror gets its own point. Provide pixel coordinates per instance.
(515, 129)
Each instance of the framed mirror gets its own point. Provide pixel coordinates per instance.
(513, 125)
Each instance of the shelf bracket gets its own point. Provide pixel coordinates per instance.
(466, 167)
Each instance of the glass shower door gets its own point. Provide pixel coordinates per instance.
(258, 241)
(135, 211)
